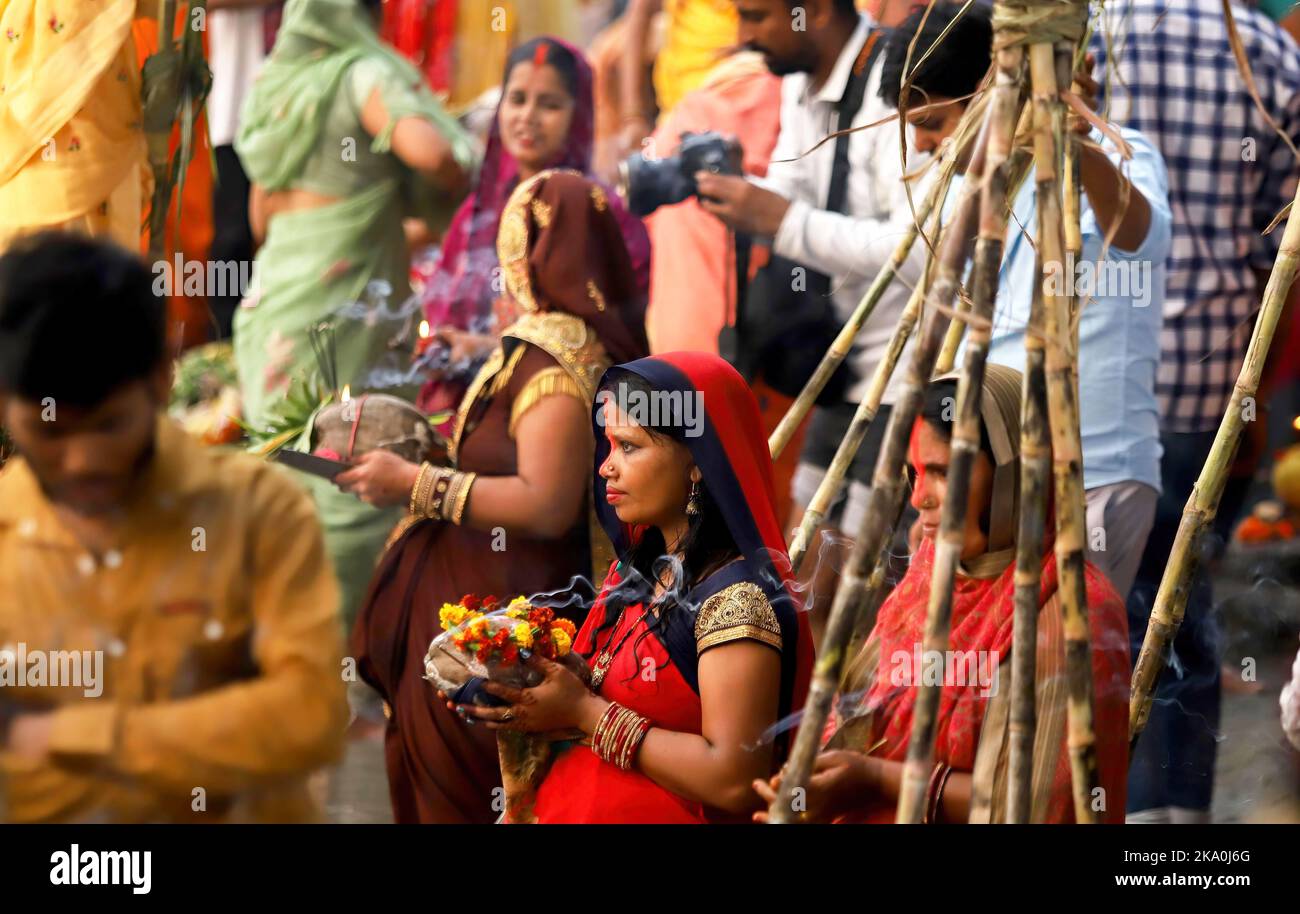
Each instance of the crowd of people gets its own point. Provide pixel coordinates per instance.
(503, 276)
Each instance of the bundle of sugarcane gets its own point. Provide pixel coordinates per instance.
(1004, 114)
(1051, 393)
(175, 84)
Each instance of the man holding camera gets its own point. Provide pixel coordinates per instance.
(837, 215)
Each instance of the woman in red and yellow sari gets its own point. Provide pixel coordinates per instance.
(697, 644)
(857, 778)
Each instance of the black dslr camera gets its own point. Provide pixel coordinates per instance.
(648, 184)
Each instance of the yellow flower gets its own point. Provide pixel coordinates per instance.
(524, 635)
(452, 615)
(563, 643)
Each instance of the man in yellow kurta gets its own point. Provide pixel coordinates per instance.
(72, 147)
(170, 644)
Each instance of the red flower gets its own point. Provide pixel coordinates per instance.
(469, 601)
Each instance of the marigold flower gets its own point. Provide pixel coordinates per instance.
(524, 635)
(563, 643)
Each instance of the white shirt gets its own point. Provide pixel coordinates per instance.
(235, 48)
(849, 247)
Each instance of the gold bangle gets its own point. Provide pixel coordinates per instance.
(422, 504)
(462, 498)
(455, 481)
(415, 489)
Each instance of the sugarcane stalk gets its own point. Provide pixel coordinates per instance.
(888, 483)
(1203, 503)
(1073, 206)
(1035, 476)
(963, 136)
(1067, 454)
(1004, 113)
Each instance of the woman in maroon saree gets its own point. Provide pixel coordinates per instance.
(531, 131)
(694, 659)
(515, 517)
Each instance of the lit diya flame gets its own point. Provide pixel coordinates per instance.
(424, 335)
(347, 393)
(1295, 423)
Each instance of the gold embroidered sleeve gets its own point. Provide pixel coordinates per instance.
(736, 612)
(546, 382)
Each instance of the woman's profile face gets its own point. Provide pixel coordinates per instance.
(535, 115)
(930, 454)
(647, 477)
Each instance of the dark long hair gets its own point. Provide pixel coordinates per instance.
(706, 546)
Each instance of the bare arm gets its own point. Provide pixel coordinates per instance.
(632, 75)
(257, 213)
(1108, 191)
(420, 145)
(739, 692)
(545, 496)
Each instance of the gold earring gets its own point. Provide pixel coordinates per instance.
(693, 502)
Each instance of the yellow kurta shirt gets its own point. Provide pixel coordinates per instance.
(217, 616)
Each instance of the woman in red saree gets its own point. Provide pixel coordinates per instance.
(858, 778)
(698, 647)
(515, 516)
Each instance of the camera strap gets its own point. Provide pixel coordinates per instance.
(850, 104)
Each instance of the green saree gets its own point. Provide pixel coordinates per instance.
(301, 129)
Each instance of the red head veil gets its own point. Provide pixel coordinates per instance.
(728, 445)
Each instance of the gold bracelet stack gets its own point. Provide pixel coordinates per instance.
(420, 490)
(619, 735)
(441, 493)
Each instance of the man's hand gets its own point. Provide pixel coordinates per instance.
(29, 736)
(743, 206)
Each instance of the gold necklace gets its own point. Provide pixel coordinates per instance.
(606, 657)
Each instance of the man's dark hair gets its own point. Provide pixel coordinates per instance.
(954, 69)
(78, 319)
